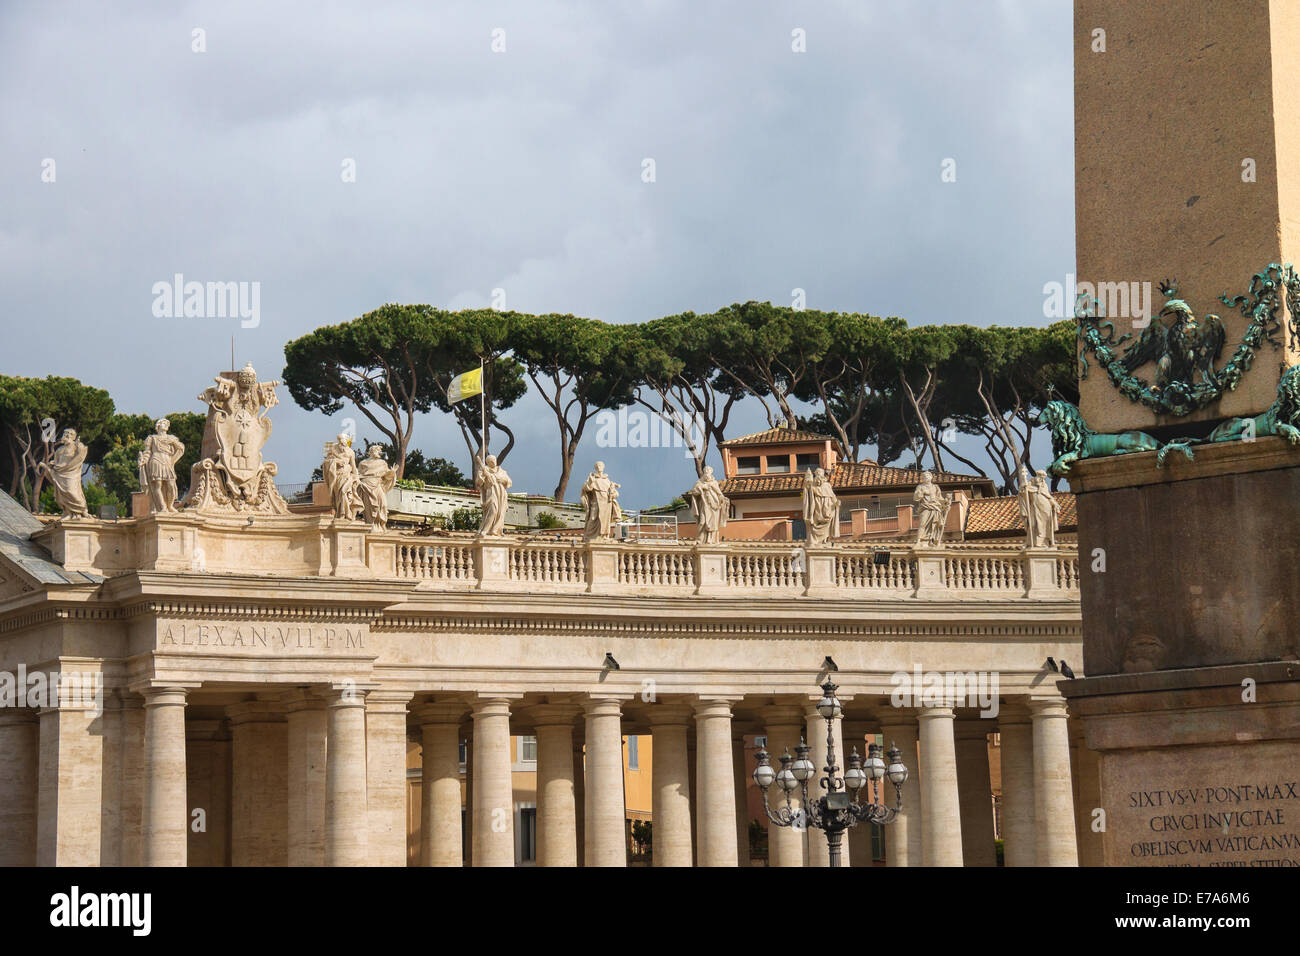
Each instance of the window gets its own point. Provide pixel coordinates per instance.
(527, 834)
(877, 842)
(804, 462)
(760, 741)
(778, 464)
(528, 750)
(633, 756)
(464, 753)
(747, 466)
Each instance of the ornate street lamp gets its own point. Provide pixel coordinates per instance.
(837, 811)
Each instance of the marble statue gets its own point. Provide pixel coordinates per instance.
(339, 469)
(1047, 513)
(64, 472)
(931, 507)
(157, 464)
(378, 478)
(230, 474)
(821, 509)
(493, 485)
(709, 506)
(600, 499)
(1025, 502)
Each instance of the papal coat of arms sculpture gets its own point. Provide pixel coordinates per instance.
(230, 475)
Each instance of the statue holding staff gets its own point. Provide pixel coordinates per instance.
(493, 485)
(709, 506)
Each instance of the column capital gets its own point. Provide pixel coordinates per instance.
(150, 688)
(1015, 711)
(383, 701)
(783, 715)
(715, 706)
(1048, 707)
(904, 722)
(345, 695)
(932, 713)
(492, 706)
(16, 715)
(554, 715)
(441, 712)
(670, 714)
(604, 705)
(302, 698)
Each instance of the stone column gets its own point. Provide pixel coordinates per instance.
(1089, 799)
(857, 839)
(70, 786)
(786, 846)
(307, 729)
(903, 836)
(742, 797)
(974, 793)
(440, 796)
(259, 790)
(1017, 788)
(670, 784)
(605, 844)
(715, 783)
(19, 760)
(494, 825)
(557, 838)
(941, 822)
(818, 850)
(1053, 795)
(386, 776)
(467, 734)
(346, 836)
(692, 779)
(207, 782)
(580, 798)
(166, 817)
(131, 802)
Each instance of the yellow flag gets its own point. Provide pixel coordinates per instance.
(465, 386)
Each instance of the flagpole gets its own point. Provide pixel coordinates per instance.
(482, 408)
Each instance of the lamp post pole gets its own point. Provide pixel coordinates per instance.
(842, 807)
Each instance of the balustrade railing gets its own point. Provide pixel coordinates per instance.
(742, 568)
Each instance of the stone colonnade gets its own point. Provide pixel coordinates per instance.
(318, 776)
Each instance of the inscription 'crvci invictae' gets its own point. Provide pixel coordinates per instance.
(271, 638)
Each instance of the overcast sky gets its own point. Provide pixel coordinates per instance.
(520, 170)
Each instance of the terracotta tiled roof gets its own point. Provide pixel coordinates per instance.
(775, 436)
(845, 476)
(994, 516)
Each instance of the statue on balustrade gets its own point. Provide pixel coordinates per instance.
(1047, 513)
(1025, 502)
(493, 485)
(64, 471)
(821, 509)
(230, 474)
(600, 500)
(157, 463)
(377, 479)
(339, 469)
(709, 506)
(931, 507)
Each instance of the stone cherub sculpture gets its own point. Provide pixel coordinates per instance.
(64, 472)
(493, 485)
(931, 511)
(157, 463)
(709, 506)
(821, 509)
(339, 469)
(600, 499)
(377, 479)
